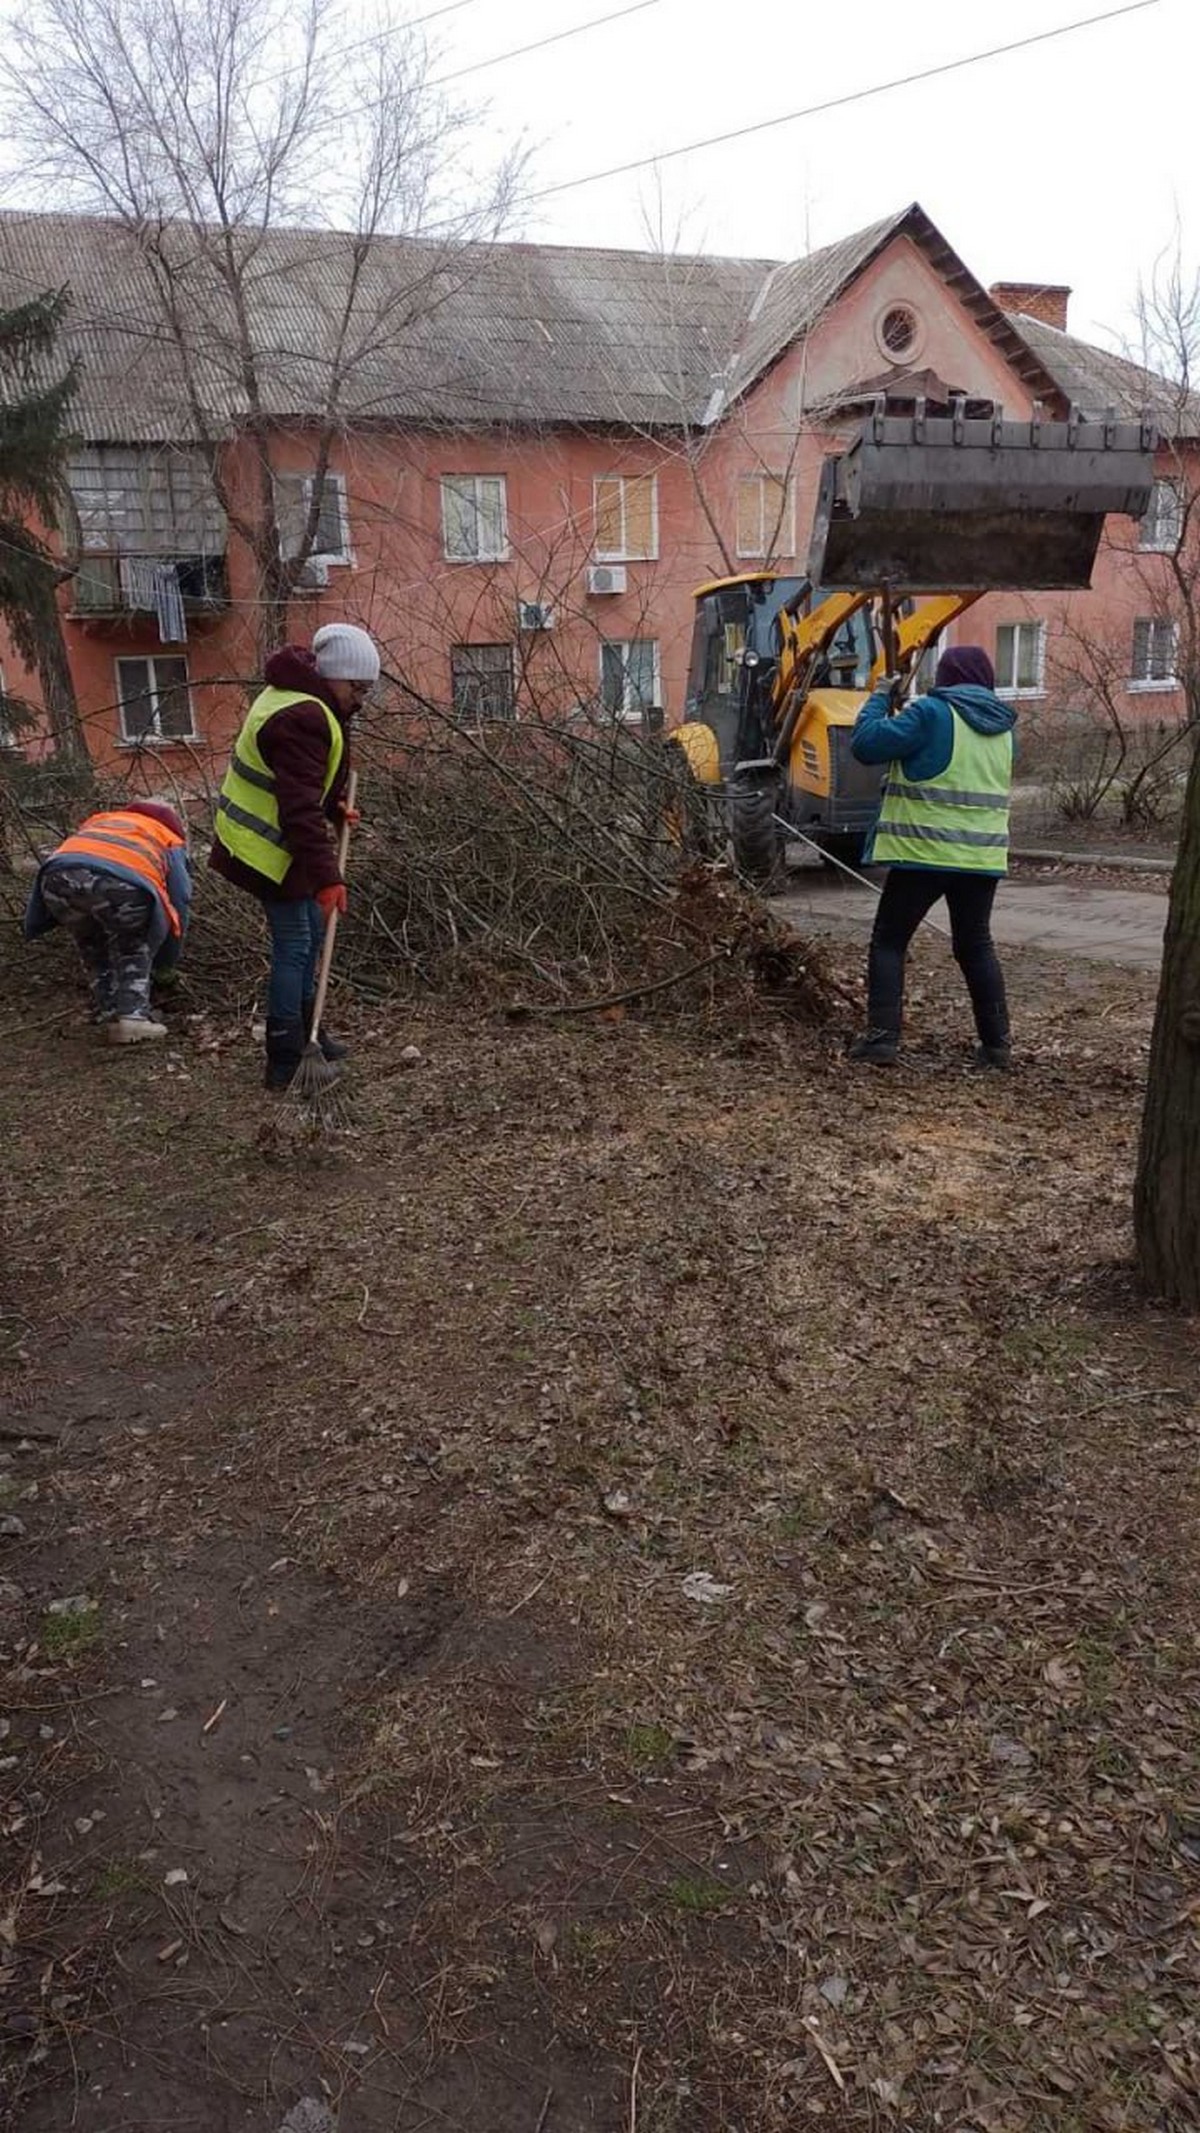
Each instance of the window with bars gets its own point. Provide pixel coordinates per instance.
(766, 519)
(145, 503)
(1020, 658)
(474, 518)
(155, 698)
(293, 503)
(483, 682)
(1161, 528)
(629, 677)
(625, 507)
(1155, 653)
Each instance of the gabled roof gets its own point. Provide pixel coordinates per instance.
(796, 296)
(506, 334)
(1095, 380)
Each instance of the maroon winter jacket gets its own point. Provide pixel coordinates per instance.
(295, 743)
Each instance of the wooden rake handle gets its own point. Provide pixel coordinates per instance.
(331, 923)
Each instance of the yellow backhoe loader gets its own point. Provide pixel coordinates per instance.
(918, 504)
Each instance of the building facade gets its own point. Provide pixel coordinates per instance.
(521, 484)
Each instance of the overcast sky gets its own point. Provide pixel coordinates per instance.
(1073, 161)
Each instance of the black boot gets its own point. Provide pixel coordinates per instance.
(996, 1056)
(331, 1047)
(285, 1049)
(878, 1048)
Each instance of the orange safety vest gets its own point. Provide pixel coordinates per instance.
(135, 842)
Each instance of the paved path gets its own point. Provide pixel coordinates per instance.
(1107, 925)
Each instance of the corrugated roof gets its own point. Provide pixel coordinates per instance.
(1094, 379)
(499, 334)
(487, 334)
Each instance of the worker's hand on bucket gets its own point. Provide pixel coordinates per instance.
(332, 899)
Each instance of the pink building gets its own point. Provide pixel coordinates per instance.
(535, 454)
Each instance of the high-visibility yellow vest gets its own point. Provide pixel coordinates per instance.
(959, 819)
(247, 821)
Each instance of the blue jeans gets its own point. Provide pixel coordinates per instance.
(296, 930)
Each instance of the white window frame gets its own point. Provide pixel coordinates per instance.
(303, 484)
(1159, 531)
(1149, 685)
(154, 737)
(624, 554)
(785, 541)
(480, 554)
(632, 707)
(1028, 689)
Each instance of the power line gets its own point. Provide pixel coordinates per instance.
(837, 103)
(557, 37)
(139, 327)
(452, 7)
(414, 22)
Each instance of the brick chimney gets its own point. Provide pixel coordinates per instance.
(1044, 300)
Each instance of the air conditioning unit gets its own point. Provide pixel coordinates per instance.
(314, 577)
(607, 578)
(534, 615)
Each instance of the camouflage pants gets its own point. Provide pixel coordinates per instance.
(110, 921)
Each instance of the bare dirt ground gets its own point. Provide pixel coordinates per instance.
(653, 1588)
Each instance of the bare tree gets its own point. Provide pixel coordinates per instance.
(1119, 755)
(1167, 1196)
(256, 160)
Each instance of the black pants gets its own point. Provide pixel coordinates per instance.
(910, 892)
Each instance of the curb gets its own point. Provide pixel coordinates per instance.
(1094, 859)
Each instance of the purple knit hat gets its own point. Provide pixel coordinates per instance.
(966, 665)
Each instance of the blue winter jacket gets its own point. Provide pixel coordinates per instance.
(165, 946)
(922, 735)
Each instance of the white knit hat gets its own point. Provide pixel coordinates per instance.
(345, 653)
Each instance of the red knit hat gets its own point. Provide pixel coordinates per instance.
(159, 812)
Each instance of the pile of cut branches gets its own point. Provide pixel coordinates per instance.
(550, 868)
(559, 862)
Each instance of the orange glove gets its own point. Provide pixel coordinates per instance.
(331, 899)
(350, 815)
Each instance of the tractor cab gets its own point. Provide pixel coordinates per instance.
(738, 640)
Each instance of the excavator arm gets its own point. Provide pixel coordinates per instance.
(805, 638)
(917, 631)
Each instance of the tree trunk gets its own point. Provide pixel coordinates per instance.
(58, 693)
(1167, 1193)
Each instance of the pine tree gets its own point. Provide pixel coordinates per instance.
(35, 436)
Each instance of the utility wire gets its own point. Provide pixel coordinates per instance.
(398, 29)
(557, 37)
(837, 103)
(140, 328)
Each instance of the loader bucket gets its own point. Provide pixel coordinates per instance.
(923, 504)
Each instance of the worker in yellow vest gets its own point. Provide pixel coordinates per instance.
(942, 832)
(121, 887)
(279, 809)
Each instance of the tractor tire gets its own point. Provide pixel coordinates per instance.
(756, 837)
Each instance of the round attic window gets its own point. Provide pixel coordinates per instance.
(899, 331)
